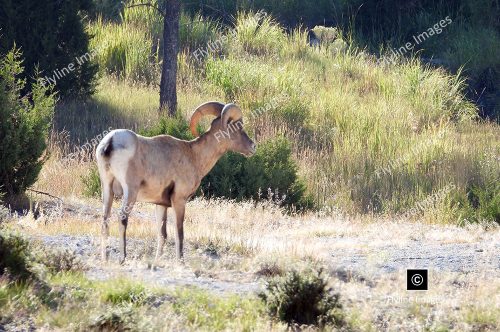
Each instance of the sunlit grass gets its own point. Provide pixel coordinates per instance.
(75, 302)
(346, 115)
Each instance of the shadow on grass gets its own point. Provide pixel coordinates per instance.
(85, 119)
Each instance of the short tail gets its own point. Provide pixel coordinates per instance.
(107, 148)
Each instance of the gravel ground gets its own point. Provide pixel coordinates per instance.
(139, 265)
(365, 261)
(474, 257)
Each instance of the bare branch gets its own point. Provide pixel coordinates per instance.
(44, 193)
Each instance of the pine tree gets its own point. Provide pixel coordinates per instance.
(24, 125)
(51, 34)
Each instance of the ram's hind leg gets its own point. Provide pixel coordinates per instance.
(107, 199)
(129, 198)
(161, 227)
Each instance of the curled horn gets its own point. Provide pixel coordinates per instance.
(209, 108)
(231, 112)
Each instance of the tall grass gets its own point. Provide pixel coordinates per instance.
(368, 136)
(125, 50)
(132, 48)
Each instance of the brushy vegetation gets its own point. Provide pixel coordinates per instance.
(20, 260)
(41, 286)
(91, 182)
(303, 298)
(14, 256)
(116, 319)
(68, 300)
(271, 174)
(366, 136)
(24, 126)
(61, 260)
(470, 41)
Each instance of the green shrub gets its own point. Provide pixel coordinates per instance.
(269, 174)
(60, 260)
(114, 319)
(24, 126)
(14, 256)
(302, 299)
(489, 203)
(91, 182)
(479, 203)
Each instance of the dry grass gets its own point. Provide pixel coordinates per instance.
(263, 236)
(261, 227)
(453, 302)
(257, 228)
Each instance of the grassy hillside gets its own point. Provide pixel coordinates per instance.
(469, 41)
(369, 136)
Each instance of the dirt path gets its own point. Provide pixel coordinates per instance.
(228, 244)
(345, 256)
(476, 257)
(370, 251)
(138, 265)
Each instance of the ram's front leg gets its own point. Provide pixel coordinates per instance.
(179, 206)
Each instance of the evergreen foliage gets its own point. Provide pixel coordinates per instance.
(51, 35)
(24, 126)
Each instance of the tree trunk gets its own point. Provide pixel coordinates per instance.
(168, 83)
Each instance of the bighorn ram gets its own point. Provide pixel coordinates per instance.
(165, 170)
